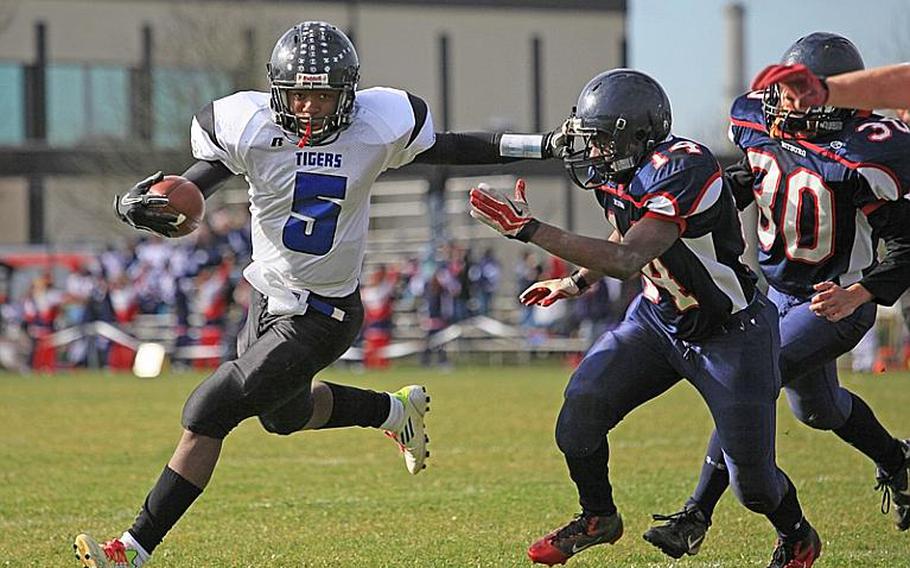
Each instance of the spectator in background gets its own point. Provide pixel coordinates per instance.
(78, 288)
(124, 307)
(378, 296)
(528, 270)
(604, 306)
(435, 315)
(489, 272)
(556, 268)
(114, 260)
(461, 266)
(40, 310)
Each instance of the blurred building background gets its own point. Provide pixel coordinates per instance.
(96, 95)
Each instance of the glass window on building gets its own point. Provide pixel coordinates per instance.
(86, 104)
(108, 97)
(177, 95)
(12, 103)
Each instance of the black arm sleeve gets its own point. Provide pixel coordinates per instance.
(208, 176)
(459, 148)
(739, 178)
(887, 281)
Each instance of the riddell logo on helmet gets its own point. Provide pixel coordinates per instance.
(309, 79)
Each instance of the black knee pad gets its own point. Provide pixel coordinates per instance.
(282, 428)
(290, 417)
(214, 408)
(582, 425)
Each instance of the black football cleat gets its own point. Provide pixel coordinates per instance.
(682, 533)
(896, 490)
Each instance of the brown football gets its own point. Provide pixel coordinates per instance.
(185, 200)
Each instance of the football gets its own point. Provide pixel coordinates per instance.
(185, 200)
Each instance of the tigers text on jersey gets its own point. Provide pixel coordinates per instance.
(310, 206)
(814, 196)
(699, 281)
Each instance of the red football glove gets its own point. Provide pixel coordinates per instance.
(510, 216)
(806, 88)
(548, 292)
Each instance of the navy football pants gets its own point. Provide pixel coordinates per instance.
(735, 371)
(809, 348)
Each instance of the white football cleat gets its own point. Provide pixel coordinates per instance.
(112, 554)
(411, 435)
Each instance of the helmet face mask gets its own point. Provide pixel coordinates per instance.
(825, 54)
(315, 124)
(592, 158)
(313, 56)
(809, 123)
(621, 115)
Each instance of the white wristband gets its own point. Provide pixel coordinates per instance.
(521, 145)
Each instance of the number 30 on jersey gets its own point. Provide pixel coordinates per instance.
(806, 238)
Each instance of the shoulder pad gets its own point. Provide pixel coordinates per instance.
(233, 113)
(746, 111)
(218, 128)
(878, 148)
(685, 173)
(390, 111)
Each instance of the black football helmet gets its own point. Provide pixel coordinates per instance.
(313, 55)
(621, 115)
(825, 54)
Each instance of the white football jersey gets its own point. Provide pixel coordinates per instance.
(310, 206)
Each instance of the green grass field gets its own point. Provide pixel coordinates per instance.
(80, 451)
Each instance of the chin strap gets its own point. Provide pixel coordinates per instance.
(306, 135)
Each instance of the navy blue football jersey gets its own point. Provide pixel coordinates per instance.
(814, 196)
(699, 281)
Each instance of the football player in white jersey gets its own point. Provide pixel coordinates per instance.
(310, 151)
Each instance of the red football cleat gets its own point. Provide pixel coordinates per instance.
(582, 532)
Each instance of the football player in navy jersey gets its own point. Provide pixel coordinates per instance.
(700, 315)
(828, 183)
(310, 150)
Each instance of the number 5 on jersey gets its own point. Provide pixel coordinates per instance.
(310, 228)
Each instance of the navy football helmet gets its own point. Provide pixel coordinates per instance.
(313, 55)
(621, 115)
(825, 54)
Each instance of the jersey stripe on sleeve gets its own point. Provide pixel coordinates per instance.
(206, 119)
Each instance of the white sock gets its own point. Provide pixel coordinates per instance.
(396, 414)
(127, 539)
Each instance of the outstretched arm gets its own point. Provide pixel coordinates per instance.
(880, 87)
(645, 241)
(460, 148)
